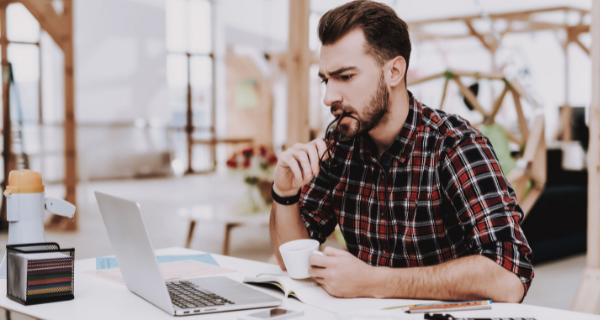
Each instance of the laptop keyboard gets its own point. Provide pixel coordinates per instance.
(185, 294)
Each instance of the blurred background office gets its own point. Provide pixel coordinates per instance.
(184, 105)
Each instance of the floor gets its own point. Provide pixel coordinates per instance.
(555, 283)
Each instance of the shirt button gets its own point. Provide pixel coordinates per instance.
(384, 251)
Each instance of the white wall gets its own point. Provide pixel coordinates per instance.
(120, 63)
(250, 25)
(120, 60)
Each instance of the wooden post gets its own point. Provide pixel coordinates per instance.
(567, 112)
(70, 124)
(297, 67)
(588, 294)
(60, 28)
(6, 127)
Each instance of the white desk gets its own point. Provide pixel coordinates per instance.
(97, 298)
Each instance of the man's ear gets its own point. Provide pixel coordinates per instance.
(397, 71)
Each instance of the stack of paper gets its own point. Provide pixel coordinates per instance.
(170, 271)
(111, 262)
(48, 274)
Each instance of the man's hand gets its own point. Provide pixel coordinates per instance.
(341, 274)
(297, 166)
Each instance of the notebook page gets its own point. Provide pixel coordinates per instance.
(318, 297)
(301, 284)
(310, 292)
(289, 284)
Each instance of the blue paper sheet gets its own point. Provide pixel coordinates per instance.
(110, 263)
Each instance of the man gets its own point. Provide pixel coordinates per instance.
(418, 194)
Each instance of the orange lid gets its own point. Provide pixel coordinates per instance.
(24, 181)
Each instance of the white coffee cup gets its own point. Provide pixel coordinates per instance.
(295, 256)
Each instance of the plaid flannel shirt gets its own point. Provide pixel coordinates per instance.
(443, 196)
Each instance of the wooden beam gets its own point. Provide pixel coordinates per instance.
(532, 196)
(533, 25)
(298, 65)
(520, 115)
(425, 79)
(534, 137)
(516, 86)
(587, 298)
(512, 137)
(480, 75)
(491, 47)
(498, 103)
(502, 15)
(57, 26)
(69, 125)
(535, 152)
(530, 24)
(535, 155)
(469, 96)
(565, 132)
(426, 36)
(70, 132)
(474, 74)
(444, 93)
(518, 179)
(6, 126)
(584, 48)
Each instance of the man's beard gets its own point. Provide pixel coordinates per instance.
(374, 114)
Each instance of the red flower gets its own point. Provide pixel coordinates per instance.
(246, 163)
(272, 160)
(248, 152)
(232, 162)
(263, 151)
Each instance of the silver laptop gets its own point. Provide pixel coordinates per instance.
(142, 276)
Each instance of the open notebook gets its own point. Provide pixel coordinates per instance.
(310, 292)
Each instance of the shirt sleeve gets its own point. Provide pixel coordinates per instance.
(486, 205)
(316, 209)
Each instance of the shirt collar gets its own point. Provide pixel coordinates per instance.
(402, 145)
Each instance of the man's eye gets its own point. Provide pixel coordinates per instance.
(347, 77)
(324, 81)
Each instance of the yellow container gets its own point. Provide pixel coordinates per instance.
(24, 181)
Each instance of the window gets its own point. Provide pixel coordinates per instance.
(190, 77)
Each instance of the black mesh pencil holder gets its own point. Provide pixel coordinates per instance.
(39, 273)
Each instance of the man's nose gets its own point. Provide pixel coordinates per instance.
(332, 95)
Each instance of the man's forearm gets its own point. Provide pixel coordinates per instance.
(468, 278)
(286, 225)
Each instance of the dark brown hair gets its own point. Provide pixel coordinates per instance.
(386, 35)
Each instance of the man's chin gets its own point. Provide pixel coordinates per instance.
(347, 133)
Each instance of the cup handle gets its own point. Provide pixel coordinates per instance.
(318, 252)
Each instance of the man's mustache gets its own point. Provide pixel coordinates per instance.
(337, 107)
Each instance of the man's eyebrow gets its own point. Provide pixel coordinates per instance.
(336, 72)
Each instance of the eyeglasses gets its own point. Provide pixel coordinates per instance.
(334, 134)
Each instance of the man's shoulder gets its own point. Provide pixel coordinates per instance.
(447, 126)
